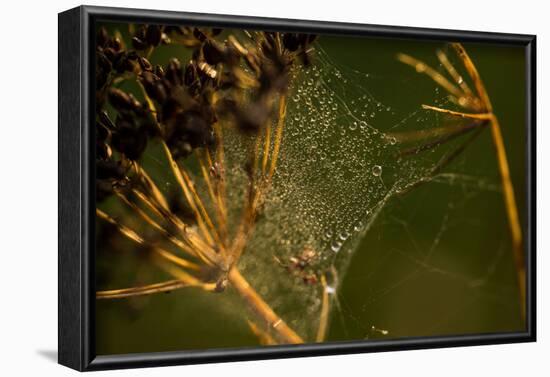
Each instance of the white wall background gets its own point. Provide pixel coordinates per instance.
(28, 185)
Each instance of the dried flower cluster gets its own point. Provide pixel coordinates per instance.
(228, 82)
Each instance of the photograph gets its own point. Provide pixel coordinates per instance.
(258, 187)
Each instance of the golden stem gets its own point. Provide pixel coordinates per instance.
(264, 337)
(278, 135)
(159, 228)
(422, 67)
(155, 191)
(132, 235)
(220, 159)
(198, 247)
(323, 320)
(472, 71)
(511, 208)
(266, 147)
(453, 72)
(187, 192)
(198, 201)
(262, 309)
(483, 116)
(149, 289)
(216, 200)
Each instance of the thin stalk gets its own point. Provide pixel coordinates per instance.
(262, 309)
(216, 200)
(453, 72)
(167, 286)
(278, 134)
(199, 203)
(422, 67)
(187, 193)
(482, 116)
(323, 320)
(153, 188)
(177, 242)
(266, 147)
(511, 209)
(132, 235)
(504, 170)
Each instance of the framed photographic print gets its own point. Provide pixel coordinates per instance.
(236, 188)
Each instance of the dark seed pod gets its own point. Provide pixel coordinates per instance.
(173, 72)
(102, 37)
(291, 41)
(122, 101)
(311, 38)
(109, 169)
(116, 44)
(103, 62)
(129, 139)
(159, 71)
(153, 35)
(138, 44)
(213, 52)
(190, 74)
(199, 35)
(144, 64)
(106, 121)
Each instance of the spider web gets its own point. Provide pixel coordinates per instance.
(341, 181)
(404, 252)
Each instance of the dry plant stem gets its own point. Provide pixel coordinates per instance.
(508, 188)
(265, 338)
(166, 286)
(485, 107)
(132, 235)
(220, 217)
(472, 71)
(199, 203)
(453, 72)
(266, 147)
(220, 159)
(323, 320)
(278, 135)
(197, 247)
(187, 192)
(155, 192)
(422, 67)
(511, 208)
(262, 309)
(483, 116)
(154, 224)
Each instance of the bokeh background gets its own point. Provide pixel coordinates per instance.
(437, 261)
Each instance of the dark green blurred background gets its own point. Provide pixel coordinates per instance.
(438, 261)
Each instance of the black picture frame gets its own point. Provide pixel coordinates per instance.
(77, 202)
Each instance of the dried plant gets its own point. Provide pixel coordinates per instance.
(236, 87)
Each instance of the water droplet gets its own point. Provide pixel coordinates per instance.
(336, 246)
(460, 80)
(358, 227)
(353, 126)
(330, 290)
(377, 170)
(393, 140)
(344, 235)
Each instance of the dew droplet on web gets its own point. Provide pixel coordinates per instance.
(336, 246)
(377, 170)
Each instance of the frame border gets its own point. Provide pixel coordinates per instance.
(76, 304)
